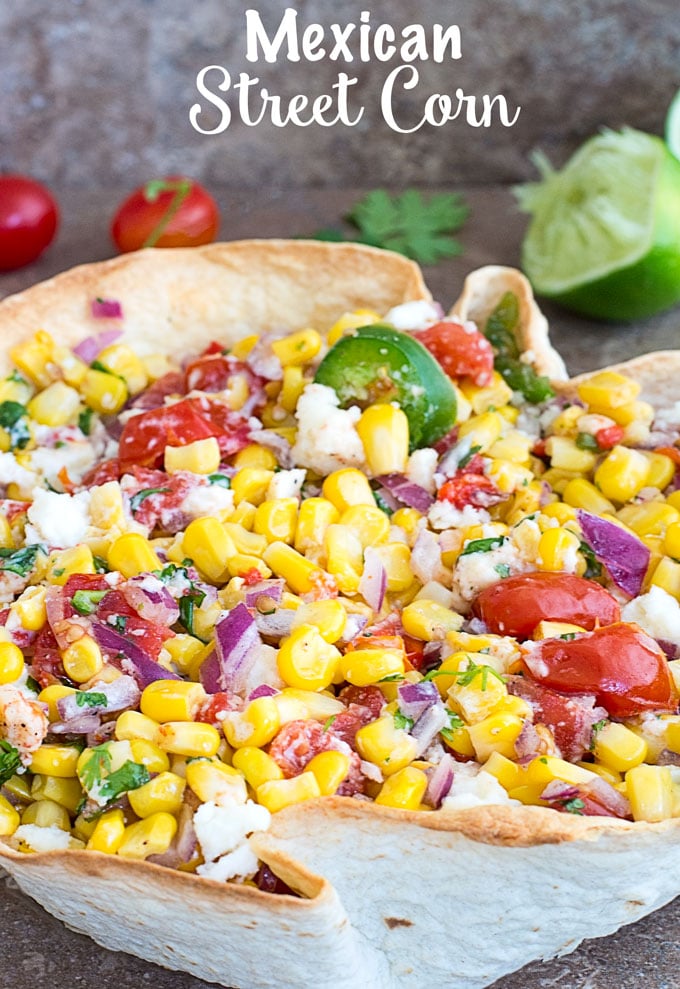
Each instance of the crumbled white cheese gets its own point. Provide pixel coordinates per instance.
(414, 315)
(444, 515)
(224, 830)
(207, 500)
(263, 669)
(59, 520)
(12, 472)
(421, 467)
(76, 458)
(45, 839)
(239, 864)
(476, 790)
(286, 484)
(326, 438)
(475, 571)
(657, 612)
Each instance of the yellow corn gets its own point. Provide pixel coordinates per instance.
(364, 666)
(347, 487)
(47, 814)
(293, 704)
(619, 747)
(525, 501)
(408, 519)
(649, 519)
(314, 517)
(495, 394)
(124, 362)
(250, 484)
(184, 650)
(292, 386)
(6, 541)
(429, 620)
(544, 769)
(241, 564)
(242, 347)
(558, 478)
(257, 766)
(255, 455)
(147, 753)
(297, 348)
(188, 738)
(396, 559)
(566, 455)
(243, 515)
(661, 470)
(384, 432)
(82, 659)
(496, 733)
(297, 571)
(134, 724)
(482, 431)
(199, 457)
(151, 836)
(388, 747)
(15, 389)
(50, 695)
(276, 520)
(108, 833)
(277, 794)
(368, 522)
(507, 772)
(255, 726)
(105, 393)
(557, 550)
(580, 493)
(212, 780)
(351, 321)
(207, 543)
(34, 357)
(477, 699)
(9, 817)
(671, 542)
(64, 791)
(171, 700)
(306, 661)
(132, 554)
(650, 792)
(162, 793)
(622, 473)
(565, 424)
(66, 562)
(552, 630)
(11, 662)
(667, 576)
(330, 769)
(328, 616)
(57, 405)
(344, 557)
(29, 608)
(608, 389)
(55, 760)
(19, 787)
(605, 772)
(405, 789)
(514, 447)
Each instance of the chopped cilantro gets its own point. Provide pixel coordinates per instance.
(16, 378)
(599, 725)
(382, 504)
(100, 760)
(455, 722)
(130, 776)
(502, 569)
(32, 684)
(85, 602)
(574, 806)
(85, 421)
(221, 480)
(483, 545)
(10, 761)
(391, 677)
(593, 565)
(329, 721)
(86, 698)
(586, 441)
(194, 598)
(568, 636)
(467, 457)
(100, 564)
(465, 677)
(20, 561)
(138, 498)
(403, 721)
(13, 418)
(119, 622)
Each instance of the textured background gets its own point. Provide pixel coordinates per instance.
(97, 92)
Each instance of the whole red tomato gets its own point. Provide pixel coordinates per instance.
(28, 220)
(170, 212)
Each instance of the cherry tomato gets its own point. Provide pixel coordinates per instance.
(170, 212)
(620, 664)
(515, 605)
(463, 352)
(149, 635)
(28, 220)
(145, 436)
(470, 489)
(569, 719)
(609, 436)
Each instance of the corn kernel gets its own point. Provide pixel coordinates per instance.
(650, 792)
(257, 456)
(557, 550)
(134, 724)
(667, 576)
(145, 752)
(255, 726)
(384, 432)
(364, 666)
(162, 793)
(297, 571)
(495, 394)
(103, 392)
(242, 347)
(661, 470)
(553, 630)
(151, 836)
(350, 321)
(19, 787)
(293, 704)
(277, 794)
(477, 695)
(496, 733)
(9, 817)
(407, 519)
(67, 562)
(50, 695)
(34, 357)
(330, 769)
(82, 659)
(199, 457)
(123, 361)
(55, 760)
(277, 520)
(250, 484)
(622, 473)
(328, 616)
(171, 700)
(344, 557)
(649, 519)
(65, 791)
(507, 772)
(11, 662)
(671, 542)
(580, 493)
(608, 389)
(57, 405)
(306, 661)
(132, 554)
(213, 781)
(368, 522)
(482, 431)
(618, 747)
(544, 769)
(29, 608)
(297, 348)
(47, 814)
(429, 620)
(405, 789)
(396, 560)
(347, 487)
(388, 747)
(566, 455)
(188, 738)
(314, 517)
(257, 766)
(108, 833)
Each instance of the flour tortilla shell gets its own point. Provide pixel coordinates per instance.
(389, 899)
(658, 373)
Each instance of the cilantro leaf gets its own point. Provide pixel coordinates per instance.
(586, 441)
(392, 678)
(221, 480)
(483, 545)
(465, 677)
(138, 498)
(455, 722)
(382, 504)
(187, 603)
(466, 458)
(13, 418)
(85, 602)
(119, 622)
(574, 806)
(10, 761)
(328, 722)
(20, 561)
(403, 721)
(130, 776)
(593, 565)
(502, 569)
(100, 564)
(86, 698)
(91, 772)
(85, 421)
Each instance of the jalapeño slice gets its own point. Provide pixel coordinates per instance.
(380, 364)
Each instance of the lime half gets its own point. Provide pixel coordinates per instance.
(673, 126)
(604, 239)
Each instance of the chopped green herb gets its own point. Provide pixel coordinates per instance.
(502, 569)
(403, 721)
(13, 418)
(16, 378)
(33, 685)
(100, 564)
(465, 677)
(500, 331)
(568, 636)
(586, 441)
(593, 565)
(85, 602)
(10, 761)
(329, 721)
(483, 545)
(574, 806)
(382, 504)
(20, 561)
(465, 460)
(98, 366)
(138, 498)
(59, 571)
(599, 725)
(86, 698)
(455, 723)
(100, 760)
(187, 603)
(119, 622)
(391, 677)
(221, 480)
(85, 420)
(130, 776)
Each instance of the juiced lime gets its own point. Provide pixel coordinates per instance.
(672, 132)
(604, 239)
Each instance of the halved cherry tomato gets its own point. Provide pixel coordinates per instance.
(609, 436)
(170, 212)
(569, 719)
(145, 436)
(470, 489)
(620, 664)
(28, 220)
(514, 606)
(462, 351)
(149, 635)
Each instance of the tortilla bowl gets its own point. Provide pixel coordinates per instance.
(387, 898)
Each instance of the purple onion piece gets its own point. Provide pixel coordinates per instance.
(622, 554)
(406, 492)
(107, 309)
(120, 694)
(373, 583)
(266, 588)
(428, 726)
(236, 642)
(559, 790)
(416, 698)
(264, 690)
(101, 734)
(151, 599)
(129, 657)
(276, 625)
(440, 781)
(209, 673)
(353, 626)
(81, 724)
(91, 347)
(527, 742)
(392, 503)
(671, 649)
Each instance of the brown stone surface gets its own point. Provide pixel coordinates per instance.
(38, 952)
(95, 92)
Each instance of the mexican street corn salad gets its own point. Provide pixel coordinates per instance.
(381, 560)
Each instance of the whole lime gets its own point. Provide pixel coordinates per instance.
(604, 238)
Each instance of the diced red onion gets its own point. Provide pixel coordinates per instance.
(266, 588)
(277, 444)
(426, 559)
(81, 724)
(428, 726)
(606, 795)
(559, 790)
(129, 657)
(373, 583)
(236, 641)
(406, 492)
(106, 309)
(101, 734)
(353, 626)
(91, 347)
(416, 698)
(264, 690)
(668, 758)
(392, 503)
(440, 781)
(183, 845)
(120, 694)
(371, 771)
(671, 649)
(151, 599)
(432, 654)
(528, 742)
(624, 556)
(263, 361)
(276, 625)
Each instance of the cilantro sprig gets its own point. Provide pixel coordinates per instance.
(20, 561)
(14, 419)
(10, 761)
